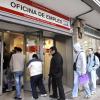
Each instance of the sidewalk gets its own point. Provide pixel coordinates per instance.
(27, 96)
(81, 95)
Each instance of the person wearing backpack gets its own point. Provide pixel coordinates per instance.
(79, 68)
(98, 69)
(92, 65)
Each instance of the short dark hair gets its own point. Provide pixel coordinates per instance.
(53, 48)
(18, 49)
(35, 56)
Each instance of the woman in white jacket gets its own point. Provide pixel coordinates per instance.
(79, 70)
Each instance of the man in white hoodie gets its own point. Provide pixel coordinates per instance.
(36, 76)
(80, 69)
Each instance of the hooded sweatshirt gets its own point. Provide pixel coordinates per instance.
(81, 59)
(35, 67)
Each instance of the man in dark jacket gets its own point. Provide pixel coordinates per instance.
(98, 53)
(56, 73)
(98, 69)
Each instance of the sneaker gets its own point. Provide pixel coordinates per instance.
(87, 96)
(54, 97)
(74, 96)
(8, 90)
(93, 92)
(43, 95)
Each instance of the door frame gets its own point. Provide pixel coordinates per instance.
(26, 36)
(44, 39)
(1, 63)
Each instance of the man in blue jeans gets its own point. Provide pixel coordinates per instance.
(92, 65)
(17, 67)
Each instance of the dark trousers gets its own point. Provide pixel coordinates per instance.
(98, 72)
(37, 81)
(57, 83)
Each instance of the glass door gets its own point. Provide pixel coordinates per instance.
(1, 61)
(32, 46)
(48, 42)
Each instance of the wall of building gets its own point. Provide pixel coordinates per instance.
(90, 36)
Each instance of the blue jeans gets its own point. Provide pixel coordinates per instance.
(76, 86)
(92, 77)
(18, 76)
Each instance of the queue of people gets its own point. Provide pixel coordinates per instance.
(83, 66)
(86, 68)
(55, 74)
(16, 65)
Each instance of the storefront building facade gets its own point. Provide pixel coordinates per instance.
(35, 29)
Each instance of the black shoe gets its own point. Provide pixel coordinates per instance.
(53, 96)
(17, 98)
(60, 99)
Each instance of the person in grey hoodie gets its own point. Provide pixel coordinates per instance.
(80, 69)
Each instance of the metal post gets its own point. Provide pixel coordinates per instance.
(42, 50)
(1, 69)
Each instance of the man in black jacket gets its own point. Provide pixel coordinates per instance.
(98, 69)
(98, 53)
(56, 73)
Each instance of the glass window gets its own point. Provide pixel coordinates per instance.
(91, 42)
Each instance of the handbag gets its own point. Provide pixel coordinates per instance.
(83, 79)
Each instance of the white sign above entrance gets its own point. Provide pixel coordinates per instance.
(34, 11)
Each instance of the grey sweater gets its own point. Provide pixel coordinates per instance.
(17, 62)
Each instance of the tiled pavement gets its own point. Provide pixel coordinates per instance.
(27, 96)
